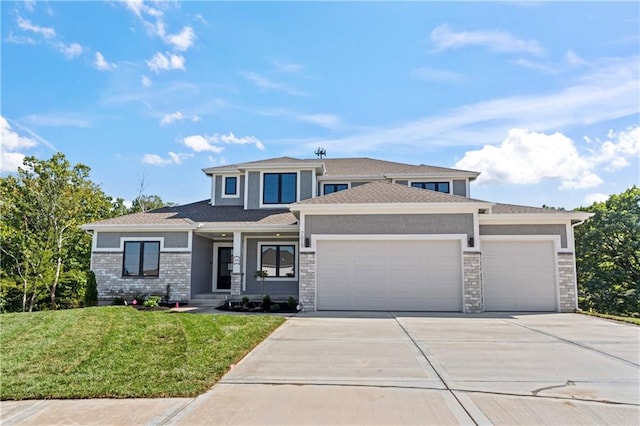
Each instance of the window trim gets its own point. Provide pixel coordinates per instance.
(276, 172)
(223, 187)
(140, 258)
(279, 243)
(335, 183)
(448, 182)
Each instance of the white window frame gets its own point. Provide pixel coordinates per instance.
(280, 243)
(262, 173)
(323, 183)
(450, 182)
(223, 187)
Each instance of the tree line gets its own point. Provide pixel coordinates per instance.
(45, 255)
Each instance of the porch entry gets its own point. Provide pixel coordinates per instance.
(224, 267)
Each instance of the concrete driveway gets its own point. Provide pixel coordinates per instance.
(386, 368)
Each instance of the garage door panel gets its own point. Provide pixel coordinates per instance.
(519, 275)
(389, 275)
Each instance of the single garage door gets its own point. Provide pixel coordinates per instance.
(389, 275)
(519, 276)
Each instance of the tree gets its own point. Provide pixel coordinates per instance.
(608, 255)
(43, 246)
(91, 291)
(145, 203)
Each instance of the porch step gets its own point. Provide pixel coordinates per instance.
(209, 299)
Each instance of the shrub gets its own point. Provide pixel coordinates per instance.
(292, 303)
(152, 302)
(266, 302)
(275, 307)
(118, 301)
(91, 290)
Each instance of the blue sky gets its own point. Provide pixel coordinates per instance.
(542, 98)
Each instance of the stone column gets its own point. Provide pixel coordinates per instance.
(472, 282)
(307, 283)
(236, 275)
(567, 281)
(236, 283)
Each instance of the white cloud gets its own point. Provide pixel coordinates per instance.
(573, 59)
(613, 153)
(432, 74)
(160, 62)
(146, 81)
(265, 83)
(286, 67)
(606, 91)
(174, 158)
(101, 64)
(70, 51)
(26, 25)
(182, 40)
(30, 5)
(10, 145)
(19, 39)
(494, 40)
(528, 157)
(177, 116)
(212, 143)
(596, 197)
(58, 120)
(200, 143)
(322, 120)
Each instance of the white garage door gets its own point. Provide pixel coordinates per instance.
(389, 275)
(519, 276)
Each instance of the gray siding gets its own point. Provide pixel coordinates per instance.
(460, 188)
(220, 201)
(306, 185)
(526, 230)
(270, 287)
(354, 184)
(402, 182)
(253, 196)
(390, 224)
(201, 265)
(107, 240)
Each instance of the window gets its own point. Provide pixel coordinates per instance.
(278, 260)
(434, 186)
(141, 259)
(230, 185)
(330, 188)
(279, 188)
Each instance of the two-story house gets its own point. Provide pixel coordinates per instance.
(345, 234)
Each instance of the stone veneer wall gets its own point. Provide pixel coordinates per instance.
(307, 286)
(567, 280)
(236, 283)
(472, 283)
(175, 269)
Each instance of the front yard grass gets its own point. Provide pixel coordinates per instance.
(121, 352)
(630, 320)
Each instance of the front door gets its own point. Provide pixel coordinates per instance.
(224, 268)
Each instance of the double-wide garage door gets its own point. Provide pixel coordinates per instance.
(409, 275)
(519, 275)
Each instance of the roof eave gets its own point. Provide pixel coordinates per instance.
(146, 227)
(425, 207)
(497, 218)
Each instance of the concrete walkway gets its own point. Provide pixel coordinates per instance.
(385, 368)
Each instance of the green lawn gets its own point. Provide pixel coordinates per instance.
(120, 352)
(630, 320)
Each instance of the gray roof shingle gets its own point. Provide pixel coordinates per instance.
(203, 212)
(500, 208)
(381, 192)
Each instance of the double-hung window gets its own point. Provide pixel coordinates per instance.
(278, 260)
(434, 186)
(279, 188)
(330, 188)
(141, 259)
(230, 185)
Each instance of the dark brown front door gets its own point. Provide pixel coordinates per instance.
(225, 263)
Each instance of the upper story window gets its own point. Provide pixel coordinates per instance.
(330, 188)
(230, 185)
(434, 186)
(279, 188)
(141, 259)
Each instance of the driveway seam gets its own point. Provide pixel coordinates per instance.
(571, 342)
(476, 410)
